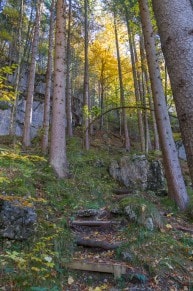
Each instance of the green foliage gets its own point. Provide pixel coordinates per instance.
(5, 35)
(7, 92)
(40, 263)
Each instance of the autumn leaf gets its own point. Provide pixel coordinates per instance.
(70, 280)
(168, 226)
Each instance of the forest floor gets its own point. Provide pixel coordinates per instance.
(161, 259)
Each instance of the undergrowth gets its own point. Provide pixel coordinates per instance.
(39, 263)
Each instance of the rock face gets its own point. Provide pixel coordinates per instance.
(16, 221)
(136, 172)
(37, 118)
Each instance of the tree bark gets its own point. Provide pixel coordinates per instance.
(46, 120)
(58, 158)
(86, 79)
(97, 244)
(175, 24)
(31, 80)
(68, 79)
(176, 186)
(94, 223)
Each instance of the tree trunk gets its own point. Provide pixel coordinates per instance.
(175, 24)
(148, 145)
(58, 158)
(151, 105)
(31, 80)
(139, 97)
(176, 186)
(124, 116)
(86, 79)
(12, 129)
(136, 85)
(68, 79)
(46, 121)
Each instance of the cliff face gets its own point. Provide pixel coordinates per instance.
(38, 107)
(37, 118)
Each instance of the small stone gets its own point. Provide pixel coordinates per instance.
(149, 224)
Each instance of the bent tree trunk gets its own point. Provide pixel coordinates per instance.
(58, 158)
(176, 186)
(175, 24)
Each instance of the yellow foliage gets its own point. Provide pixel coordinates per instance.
(7, 92)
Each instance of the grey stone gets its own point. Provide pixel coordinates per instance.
(16, 221)
(131, 214)
(137, 172)
(181, 150)
(149, 223)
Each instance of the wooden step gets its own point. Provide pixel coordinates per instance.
(113, 268)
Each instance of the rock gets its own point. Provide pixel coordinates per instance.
(87, 212)
(149, 223)
(126, 256)
(137, 172)
(16, 221)
(138, 210)
(155, 176)
(37, 118)
(99, 163)
(94, 213)
(131, 214)
(181, 150)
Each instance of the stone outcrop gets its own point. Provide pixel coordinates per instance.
(137, 172)
(37, 118)
(16, 221)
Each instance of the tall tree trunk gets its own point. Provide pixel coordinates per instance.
(175, 24)
(151, 105)
(31, 80)
(86, 79)
(12, 129)
(46, 120)
(136, 85)
(27, 46)
(124, 116)
(148, 145)
(140, 98)
(176, 186)
(68, 79)
(58, 158)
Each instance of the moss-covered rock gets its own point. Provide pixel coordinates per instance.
(138, 210)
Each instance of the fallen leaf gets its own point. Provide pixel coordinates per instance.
(169, 214)
(70, 280)
(168, 226)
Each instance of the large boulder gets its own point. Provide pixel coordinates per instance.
(16, 221)
(137, 172)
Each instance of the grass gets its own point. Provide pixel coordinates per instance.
(36, 264)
